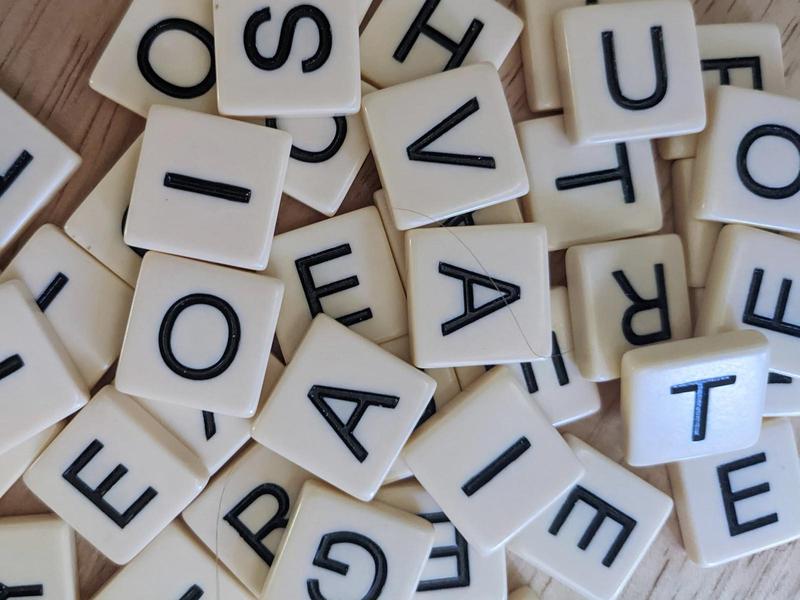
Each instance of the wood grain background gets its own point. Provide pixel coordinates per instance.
(47, 51)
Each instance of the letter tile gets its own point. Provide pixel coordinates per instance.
(241, 516)
(34, 165)
(736, 504)
(187, 201)
(15, 461)
(747, 168)
(454, 153)
(342, 267)
(409, 39)
(694, 397)
(555, 383)
(629, 71)
(338, 547)
(355, 403)
(174, 565)
(747, 55)
(699, 237)
(497, 214)
(39, 383)
(455, 570)
(287, 59)
(116, 476)
(783, 397)
(37, 558)
(523, 593)
(161, 53)
(199, 335)
(327, 153)
(588, 193)
(469, 303)
(625, 294)
(214, 438)
(750, 287)
(593, 537)
(492, 448)
(98, 223)
(86, 304)
(447, 388)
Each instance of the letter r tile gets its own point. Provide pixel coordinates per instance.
(594, 535)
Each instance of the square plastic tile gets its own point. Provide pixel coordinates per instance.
(15, 461)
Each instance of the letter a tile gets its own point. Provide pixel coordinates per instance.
(594, 536)
(473, 300)
(445, 145)
(736, 504)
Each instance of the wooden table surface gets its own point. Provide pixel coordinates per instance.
(47, 51)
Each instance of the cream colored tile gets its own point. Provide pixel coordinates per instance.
(455, 570)
(161, 53)
(38, 557)
(736, 504)
(783, 397)
(355, 403)
(241, 516)
(85, 303)
(34, 165)
(746, 169)
(15, 461)
(695, 397)
(469, 304)
(523, 593)
(454, 153)
(587, 193)
(409, 39)
(39, 383)
(625, 294)
(699, 237)
(98, 223)
(749, 287)
(629, 71)
(177, 566)
(187, 201)
(747, 55)
(287, 59)
(336, 531)
(116, 476)
(492, 448)
(344, 268)
(574, 542)
(199, 335)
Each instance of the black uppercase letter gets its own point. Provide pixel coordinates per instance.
(11, 365)
(776, 322)
(604, 511)
(204, 187)
(659, 63)
(778, 379)
(509, 293)
(96, 495)
(559, 367)
(323, 560)
(255, 539)
(494, 468)
(21, 591)
(621, 173)
(458, 550)
(346, 431)
(293, 17)
(416, 150)
(318, 156)
(458, 50)
(315, 294)
(161, 84)
(747, 179)
(639, 304)
(193, 593)
(14, 171)
(702, 391)
(52, 290)
(231, 347)
(730, 498)
(209, 424)
(726, 65)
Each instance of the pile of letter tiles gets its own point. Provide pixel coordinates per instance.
(404, 439)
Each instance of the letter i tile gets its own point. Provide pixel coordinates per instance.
(338, 547)
(736, 504)
(116, 476)
(593, 537)
(492, 447)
